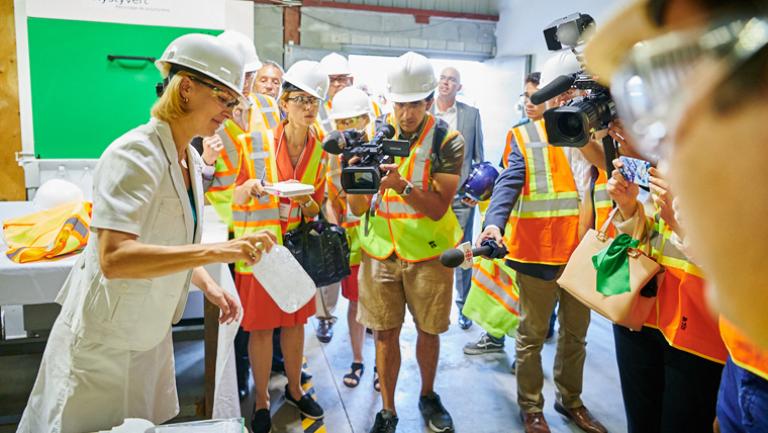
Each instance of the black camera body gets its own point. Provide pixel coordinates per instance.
(364, 177)
(573, 124)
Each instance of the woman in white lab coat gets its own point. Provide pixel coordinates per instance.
(110, 355)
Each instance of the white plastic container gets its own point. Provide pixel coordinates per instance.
(284, 279)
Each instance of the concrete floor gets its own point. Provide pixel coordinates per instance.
(478, 391)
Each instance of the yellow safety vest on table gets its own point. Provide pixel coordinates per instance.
(49, 233)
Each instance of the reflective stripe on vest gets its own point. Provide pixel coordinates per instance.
(262, 116)
(396, 226)
(743, 352)
(350, 221)
(543, 227)
(681, 312)
(262, 213)
(602, 201)
(492, 301)
(267, 109)
(324, 118)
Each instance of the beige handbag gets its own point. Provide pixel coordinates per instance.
(579, 278)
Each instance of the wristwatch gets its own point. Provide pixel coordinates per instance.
(407, 190)
(307, 203)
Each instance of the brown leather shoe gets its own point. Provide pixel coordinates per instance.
(534, 422)
(582, 418)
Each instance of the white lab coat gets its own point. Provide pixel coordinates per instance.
(110, 354)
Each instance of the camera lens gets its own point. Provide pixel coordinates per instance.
(569, 125)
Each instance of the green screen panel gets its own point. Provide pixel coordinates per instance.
(81, 101)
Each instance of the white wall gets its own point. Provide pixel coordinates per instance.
(521, 23)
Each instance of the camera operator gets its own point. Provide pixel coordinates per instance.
(711, 137)
(548, 188)
(412, 224)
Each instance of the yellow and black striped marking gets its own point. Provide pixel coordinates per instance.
(310, 425)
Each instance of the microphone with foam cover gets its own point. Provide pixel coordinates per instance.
(556, 87)
(489, 248)
(334, 143)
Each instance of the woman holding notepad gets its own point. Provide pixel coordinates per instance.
(292, 152)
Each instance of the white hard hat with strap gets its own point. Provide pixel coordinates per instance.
(207, 55)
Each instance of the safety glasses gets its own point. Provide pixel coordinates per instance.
(348, 122)
(304, 100)
(662, 77)
(225, 98)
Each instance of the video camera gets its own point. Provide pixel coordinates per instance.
(364, 177)
(572, 125)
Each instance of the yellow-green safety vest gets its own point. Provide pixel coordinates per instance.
(396, 226)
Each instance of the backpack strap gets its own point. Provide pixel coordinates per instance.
(441, 130)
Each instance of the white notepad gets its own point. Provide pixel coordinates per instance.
(289, 189)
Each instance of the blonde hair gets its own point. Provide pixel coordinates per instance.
(170, 105)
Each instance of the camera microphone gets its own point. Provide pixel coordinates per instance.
(334, 143)
(489, 248)
(554, 88)
(385, 132)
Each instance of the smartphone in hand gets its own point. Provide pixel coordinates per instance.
(635, 170)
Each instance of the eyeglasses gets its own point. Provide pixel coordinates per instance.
(224, 97)
(338, 79)
(662, 77)
(304, 100)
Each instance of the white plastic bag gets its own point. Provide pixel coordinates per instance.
(284, 279)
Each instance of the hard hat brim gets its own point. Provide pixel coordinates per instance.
(612, 42)
(165, 70)
(253, 66)
(409, 97)
(304, 88)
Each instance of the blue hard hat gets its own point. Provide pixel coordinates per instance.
(479, 183)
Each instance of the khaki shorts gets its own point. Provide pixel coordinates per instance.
(387, 286)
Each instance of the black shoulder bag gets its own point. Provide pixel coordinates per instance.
(321, 248)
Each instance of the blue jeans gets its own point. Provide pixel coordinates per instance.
(742, 402)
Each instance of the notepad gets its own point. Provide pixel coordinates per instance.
(289, 189)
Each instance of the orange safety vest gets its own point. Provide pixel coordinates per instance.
(743, 352)
(262, 116)
(601, 201)
(543, 227)
(680, 312)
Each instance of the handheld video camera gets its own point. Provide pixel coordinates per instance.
(364, 177)
(572, 125)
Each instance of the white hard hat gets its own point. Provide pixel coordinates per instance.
(308, 76)
(412, 78)
(563, 62)
(245, 46)
(55, 192)
(207, 55)
(350, 102)
(335, 64)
